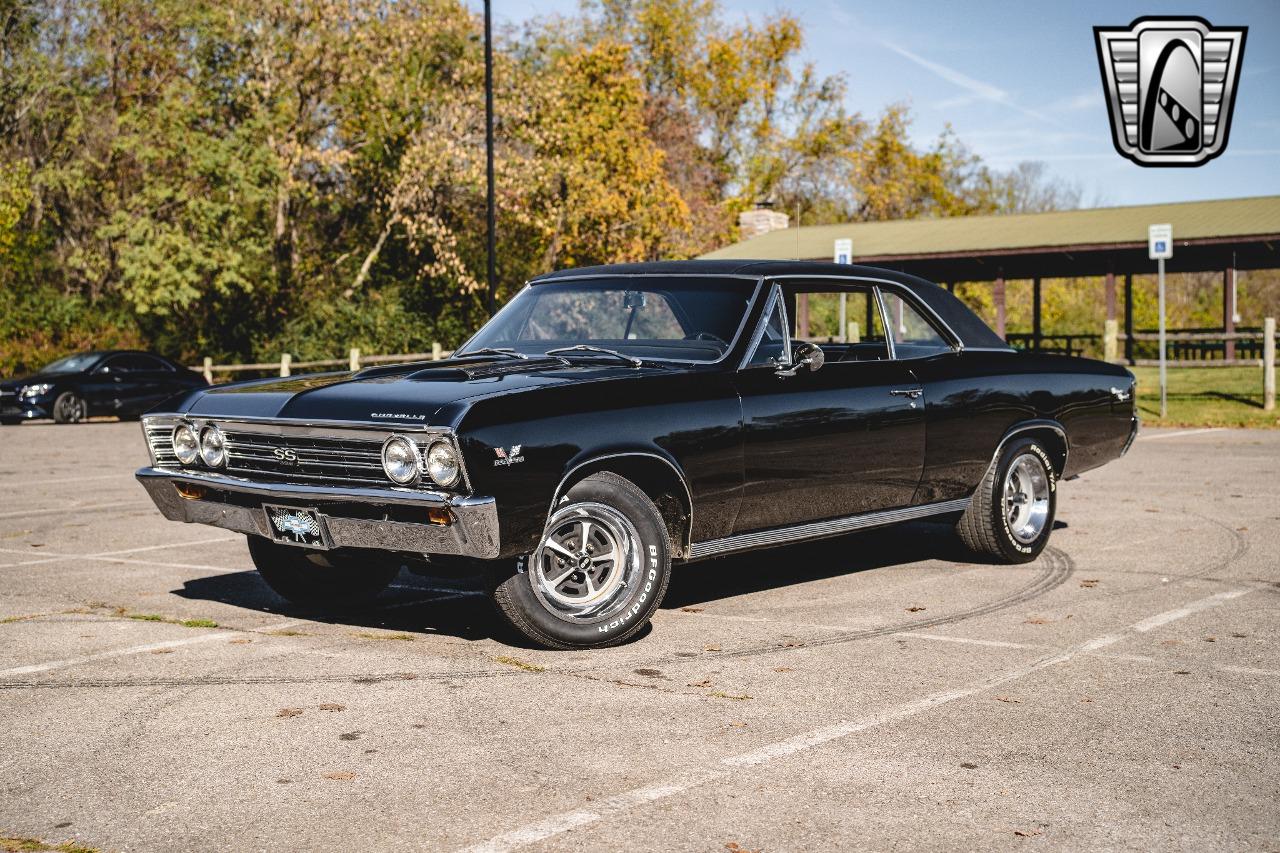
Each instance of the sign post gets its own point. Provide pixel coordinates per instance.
(1160, 249)
(844, 255)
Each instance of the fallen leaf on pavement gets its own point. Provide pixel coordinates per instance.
(738, 725)
(1027, 833)
(340, 776)
(241, 641)
(332, 706)
(1036, 621)
(711, 647)
(1009, 700)
(1089, 583)
(288, 712)
(706, 682)
(782, 669)
(692, 609)
(916, 609)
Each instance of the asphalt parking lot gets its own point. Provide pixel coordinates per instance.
(872, 692)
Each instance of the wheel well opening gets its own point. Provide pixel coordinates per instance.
(655, 478)
(1054, 442)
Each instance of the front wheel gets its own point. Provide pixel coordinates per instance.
(599, 573)
(70, 408)
(1011, 514)
(327, 580)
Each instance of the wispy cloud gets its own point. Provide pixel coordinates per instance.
(976, 89)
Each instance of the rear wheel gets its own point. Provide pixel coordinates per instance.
(329, 580)
(70, 408)
(1011, 514)
(599, 573)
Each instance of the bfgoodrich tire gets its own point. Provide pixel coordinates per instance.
(599, 573)
(324, 580)
(1011, 515)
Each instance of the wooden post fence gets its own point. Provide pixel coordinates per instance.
(1110, 340)
(354, 364)
(208, 370)
(1269, 364)
(285, 361)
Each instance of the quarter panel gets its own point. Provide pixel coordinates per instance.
(974, 398)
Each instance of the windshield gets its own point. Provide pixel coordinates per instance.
(72, 363)
(663, 318)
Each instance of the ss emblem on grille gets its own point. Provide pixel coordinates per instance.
(285, 454)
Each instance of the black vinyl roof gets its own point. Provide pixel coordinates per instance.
(967, 325)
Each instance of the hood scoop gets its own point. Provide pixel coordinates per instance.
(463, 369)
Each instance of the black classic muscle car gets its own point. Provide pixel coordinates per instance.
(610, 421)
(124, 383)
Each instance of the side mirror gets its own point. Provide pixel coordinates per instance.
(803, 354)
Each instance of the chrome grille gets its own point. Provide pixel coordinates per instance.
(160, 439)
(333, 460)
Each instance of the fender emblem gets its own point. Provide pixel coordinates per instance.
(508, 457)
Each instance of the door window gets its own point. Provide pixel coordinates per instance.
(913, 335)
(842, 318)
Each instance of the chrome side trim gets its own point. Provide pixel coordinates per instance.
(555, 497)
(820, 529)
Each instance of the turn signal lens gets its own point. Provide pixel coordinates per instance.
(213, 448)
(185, 444)
(439, 515)
(190, 491)
(400, 460)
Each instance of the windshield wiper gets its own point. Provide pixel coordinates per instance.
(589, 349)
(503, 351)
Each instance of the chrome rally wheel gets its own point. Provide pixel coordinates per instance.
(1010, 516)
(588, 559)
(1026, 497)
(598, 572)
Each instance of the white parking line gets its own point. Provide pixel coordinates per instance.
(73, 509)
(53, 558)
(1179, 433)
(61, 480)
(566, 821)
(137, 650)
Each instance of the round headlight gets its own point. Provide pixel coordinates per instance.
(212, 446)
(185, 444)
(400, 460)
(442, 464)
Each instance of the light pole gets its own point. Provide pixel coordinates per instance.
(491, 261)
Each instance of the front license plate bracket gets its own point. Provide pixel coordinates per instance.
(300, 526)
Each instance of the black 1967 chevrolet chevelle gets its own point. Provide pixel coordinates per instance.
(610, 421)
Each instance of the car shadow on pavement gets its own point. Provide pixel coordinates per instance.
(459, 607)
(412, 604)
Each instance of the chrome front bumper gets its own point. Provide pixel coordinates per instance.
(386, 521)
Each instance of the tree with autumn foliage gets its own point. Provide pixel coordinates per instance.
(241, 178)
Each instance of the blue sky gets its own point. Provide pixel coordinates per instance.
(1019, 81)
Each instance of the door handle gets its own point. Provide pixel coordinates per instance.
(913, 393)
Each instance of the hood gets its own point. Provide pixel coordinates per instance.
(15, 384)
(405, 394)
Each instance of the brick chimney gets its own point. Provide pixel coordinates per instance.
(761, 220)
